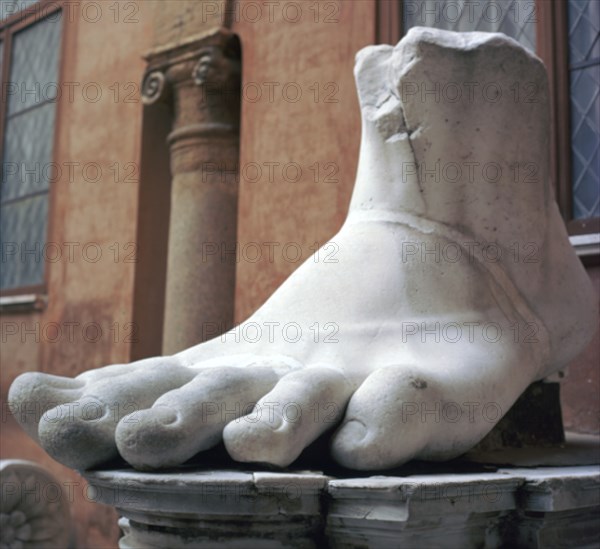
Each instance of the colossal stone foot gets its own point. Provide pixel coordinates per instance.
(445, 299)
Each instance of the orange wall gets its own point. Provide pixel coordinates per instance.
(289, 58)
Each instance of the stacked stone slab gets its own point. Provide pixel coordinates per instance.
(538, 507)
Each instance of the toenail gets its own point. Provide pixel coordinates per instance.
(130, 442)
(274, 423)
(354, 430)
(93, 411)
(165, 415)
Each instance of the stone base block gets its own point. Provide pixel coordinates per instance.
(234, 509)
(516, 507)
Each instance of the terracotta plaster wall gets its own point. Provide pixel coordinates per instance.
(300, 110)
(99, 133)
(178, 20)
(93, 223)
(580, 388)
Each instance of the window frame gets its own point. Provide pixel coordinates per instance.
(9, 27)
(552, 39)
(552, 46)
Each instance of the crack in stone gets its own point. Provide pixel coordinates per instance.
(409, 133)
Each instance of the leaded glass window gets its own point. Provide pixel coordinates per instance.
(29, 119)
(584, 72)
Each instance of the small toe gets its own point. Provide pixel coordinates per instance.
(80, 434)
(302, 406)
(32, 394)
(191, 419)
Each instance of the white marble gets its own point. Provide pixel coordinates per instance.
(454, 287)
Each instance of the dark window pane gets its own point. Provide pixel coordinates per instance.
(34, 65)
(585, 141)
(584, 24)
(28, 152)
(27, 155)
(584, 58)
(23, 227)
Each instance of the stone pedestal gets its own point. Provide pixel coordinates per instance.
(193, 508)
(543, 507)
(559, 508)
(516, 507)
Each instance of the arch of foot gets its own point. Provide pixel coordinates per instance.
(416, 330)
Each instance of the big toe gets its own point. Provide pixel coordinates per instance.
(377, 431)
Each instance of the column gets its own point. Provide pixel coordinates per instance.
(200, 80)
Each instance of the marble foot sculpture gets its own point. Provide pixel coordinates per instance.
(452, 287)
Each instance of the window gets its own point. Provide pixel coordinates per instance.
(566, 36)
(584, 81)
(30, 46)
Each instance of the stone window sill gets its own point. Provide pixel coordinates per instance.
(587, 248)
(23, 303)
